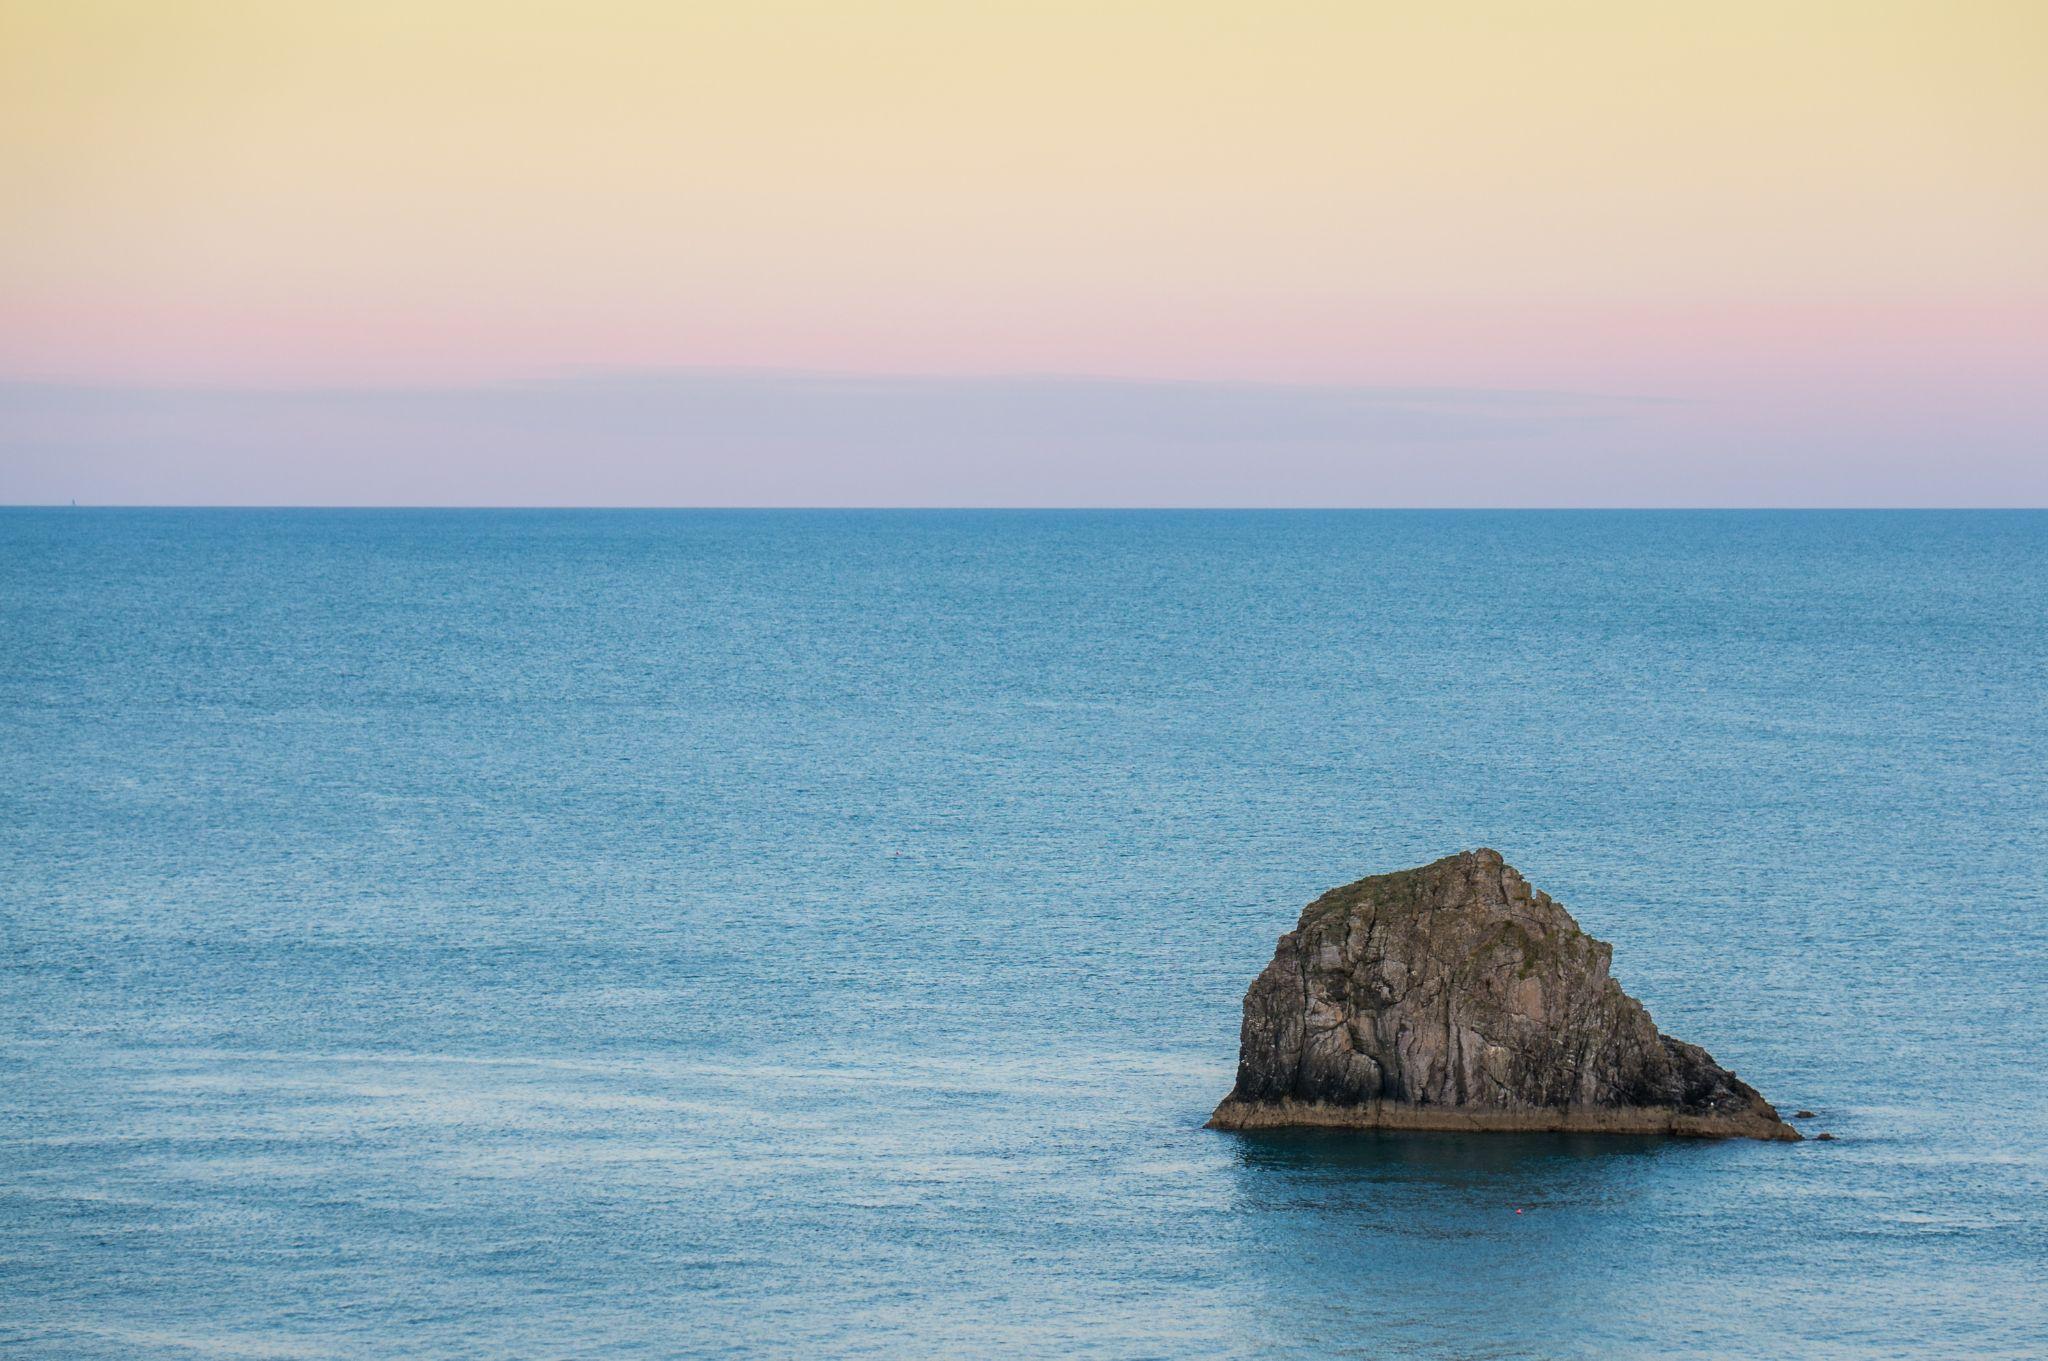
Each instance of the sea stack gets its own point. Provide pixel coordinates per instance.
(1457, 997)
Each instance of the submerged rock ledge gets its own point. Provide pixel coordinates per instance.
(1457, 997)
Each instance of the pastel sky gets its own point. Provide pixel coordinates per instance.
(1821, 223)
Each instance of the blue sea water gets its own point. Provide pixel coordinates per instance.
(576, 934)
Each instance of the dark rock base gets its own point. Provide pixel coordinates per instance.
(1288, 1114)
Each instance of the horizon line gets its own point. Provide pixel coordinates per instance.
(1106, 509)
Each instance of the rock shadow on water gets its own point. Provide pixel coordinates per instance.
(1474, 1159)
(1422, 1184)
(1427, 1241)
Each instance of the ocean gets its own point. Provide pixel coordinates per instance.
(622, 934)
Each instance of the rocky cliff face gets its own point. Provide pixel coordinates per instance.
(1455, 996)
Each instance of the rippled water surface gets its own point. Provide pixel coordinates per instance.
(616, 934)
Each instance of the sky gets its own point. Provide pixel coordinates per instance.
(850, 252)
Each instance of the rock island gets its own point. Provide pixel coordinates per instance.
(1457, 997)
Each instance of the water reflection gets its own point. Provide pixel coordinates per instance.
(1428, 1241)
(1456, 1157)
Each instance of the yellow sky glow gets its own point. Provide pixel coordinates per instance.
(1318, 190)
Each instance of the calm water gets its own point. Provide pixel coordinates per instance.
(633, 935)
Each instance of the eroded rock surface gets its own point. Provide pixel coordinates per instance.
(1455, 996)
